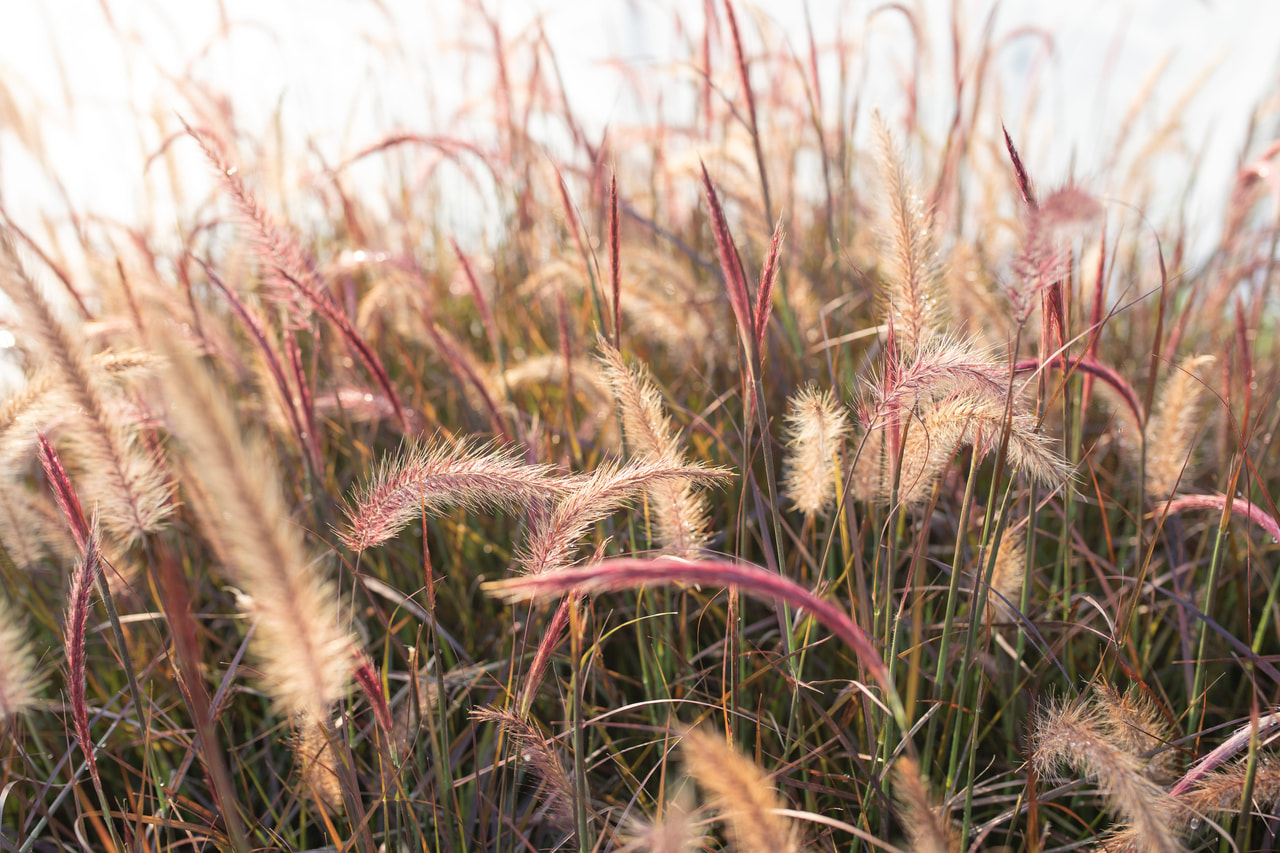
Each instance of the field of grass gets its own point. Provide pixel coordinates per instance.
(787, 478)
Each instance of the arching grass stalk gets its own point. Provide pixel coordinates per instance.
(630, 573)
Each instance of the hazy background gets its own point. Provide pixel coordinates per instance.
(89, 83)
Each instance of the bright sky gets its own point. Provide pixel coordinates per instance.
(346, 71)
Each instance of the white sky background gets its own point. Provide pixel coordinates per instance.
(348, 71)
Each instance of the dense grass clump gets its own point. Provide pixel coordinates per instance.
(762, 487)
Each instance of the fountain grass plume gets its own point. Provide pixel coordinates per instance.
(1077, 734)
(554, 538)
(741, 791)
(305, 655)
(679, 510)
(127, 482)
(817, 428)
(430, 477)
(912, 290)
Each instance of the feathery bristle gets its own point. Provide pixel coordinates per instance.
(1171, 431)
(128, 485)
(19, 683)
(741, 791)
(674, 831)
(1073, 733)
(313, 753)
(912, 291)
(1223, 790)
(964, 420)
(1008, 575)
(554, 539)
(939, 367)
(427, 479)
(1137, 726)
(25, 411)
(542, 757)
(868, 465)
(924, 824)
(816, 430)
(288, 267)
(79, 600)
(680, 513)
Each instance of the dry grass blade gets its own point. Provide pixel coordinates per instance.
(615, 261)
(424, 478)
(554, 540)
(741, 791)
(305, 655)
(744, 78)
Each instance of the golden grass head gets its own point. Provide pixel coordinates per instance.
(1076, 733)
(1171, 431)
(817, 427)
(1009, 575)
(315, 758)
(127, 483)
(427, 478)
(963, 420)
(913, 293)
(679, 510)
(305, 654)
(19, 683)
(1137, 725)
(741, 791)
(543, 757)
(554, 538)
(924, 823)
